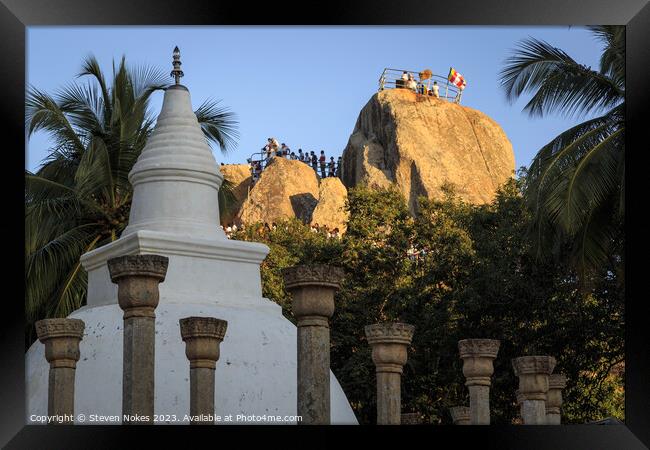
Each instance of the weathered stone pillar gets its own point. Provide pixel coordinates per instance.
(202, 336)
(533, 373)
(137, 278)
(313, 288)
(556, 382)
(61, 339)
(460, 415)
(477, 356)
(389, 342)
(410, 419)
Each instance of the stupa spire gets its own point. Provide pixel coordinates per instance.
(176, 179)
(177, 73)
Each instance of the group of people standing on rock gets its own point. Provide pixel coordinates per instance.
(329, 168)
(408, 82)
(273, 149)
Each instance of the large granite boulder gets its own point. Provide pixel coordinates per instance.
(421, 143)
(239, 175)
(288, 189)
(330, 209)
(285, 189)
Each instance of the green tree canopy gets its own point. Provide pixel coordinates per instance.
(473, 277)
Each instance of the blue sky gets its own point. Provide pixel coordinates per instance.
(306, 85)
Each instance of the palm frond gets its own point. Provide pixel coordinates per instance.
(94, 178)
(43, 113)
(90, 66)
(593, 241)
(219, 125)
(227, 198)
(558, 83)
(84, 107)
(612, 60)
(43, 193)
(146, 79)
(592, 181)
(49, 264)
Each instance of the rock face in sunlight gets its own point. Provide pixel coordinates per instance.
(240, 177)
(330, 209)
(289, 189)
(421, 143)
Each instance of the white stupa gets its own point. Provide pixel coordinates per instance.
(175, 213)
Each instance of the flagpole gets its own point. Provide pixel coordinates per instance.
(447, 87)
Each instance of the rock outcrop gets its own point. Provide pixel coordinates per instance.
(288, 189)
(330, 209)
(421, 143)
(239, 175)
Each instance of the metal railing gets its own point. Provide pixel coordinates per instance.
(392, 79)
(259, 160)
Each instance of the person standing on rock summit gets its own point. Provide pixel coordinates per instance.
(322, 161)
(314, 161)
(435, 90)
(330, 167)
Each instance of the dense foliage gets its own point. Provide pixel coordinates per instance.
(475, 278)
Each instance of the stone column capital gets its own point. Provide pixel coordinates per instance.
(556, 381)
(479, 348)
(202, 336)
(477, 356)
(59, 327)
(312, 288)
(319, 275)
(389, 342)
(150, 266)
(460, 415)
(533, 373)
(389, 333)
(533, 365)
(137, 278)
(61, 339)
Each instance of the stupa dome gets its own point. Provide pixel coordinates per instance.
(175, 213)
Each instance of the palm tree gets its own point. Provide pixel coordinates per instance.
(575, 185)
(79, 199)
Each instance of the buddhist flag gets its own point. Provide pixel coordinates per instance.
(456, 79)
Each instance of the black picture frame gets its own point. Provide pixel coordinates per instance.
(16, 15)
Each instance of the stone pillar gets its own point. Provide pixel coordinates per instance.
(389, 342)
(460, 415)
(202, 336)
(477, 356)
(61, 339)
(410, 419)
(556, 382)
(313, 288)
(137, 278)
(533, 373)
